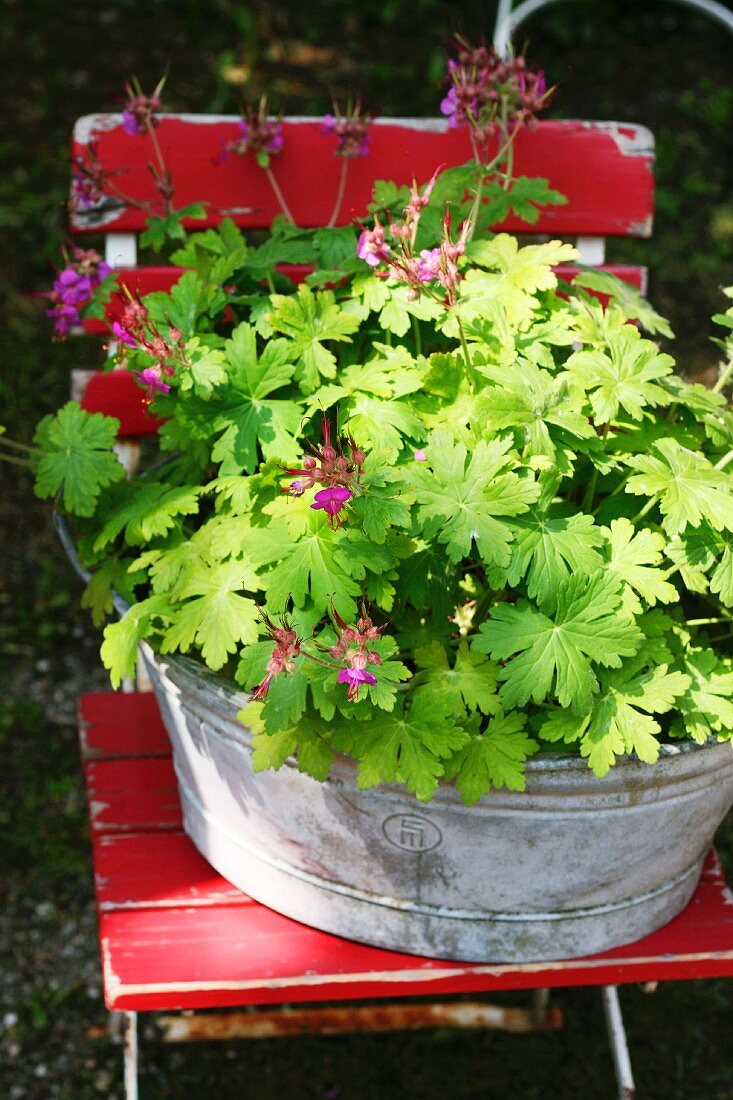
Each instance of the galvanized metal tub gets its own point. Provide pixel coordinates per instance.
(573, 866)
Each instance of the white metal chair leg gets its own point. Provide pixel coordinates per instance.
(619, 1046)
(130, 1056)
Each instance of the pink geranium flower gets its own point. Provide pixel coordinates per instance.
(332, 500)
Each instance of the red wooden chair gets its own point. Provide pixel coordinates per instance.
(175, 935)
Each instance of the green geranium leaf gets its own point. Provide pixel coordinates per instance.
(523, 198)
(721, 582)
(548, 550)
(542, 410)
(695, 552)
(383, 425)
(147, 512)
(554, 648)
(687, 487)
(636, 556)
(304, 741)
(624, 375)
(470, 683)
(246, 415)
(620, 720)
(121, 639)
(306, 569)
(110, 577)
(206, 368)
(517, 274)
(409, 745)
(706, 706)
(210, 612)
(310, 320)
(626, 297)
(76, 457)
(493, 759)
(460, 504)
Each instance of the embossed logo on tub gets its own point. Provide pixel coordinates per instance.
(411, 833)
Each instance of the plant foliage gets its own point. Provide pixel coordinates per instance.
(438, 529)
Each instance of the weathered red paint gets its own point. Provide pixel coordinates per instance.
(174, 936)
(114, 725)
(129, 795)
(605, 171)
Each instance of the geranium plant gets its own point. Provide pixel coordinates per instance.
(431, 508)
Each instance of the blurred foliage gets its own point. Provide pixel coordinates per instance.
(42, 807)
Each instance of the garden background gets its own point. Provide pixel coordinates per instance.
(658, 64)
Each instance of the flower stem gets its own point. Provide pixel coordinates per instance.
(473, 215)
(723, 462)
(340, 193)
(724, 378)
(279, 195)
(25, 462)
(138, 204)
(416, 335)
(466, 355)
(318, 660)
(709, 622)
(7, 442)
(163, 173)
(591, 490)
(647, 508)
(156, 149)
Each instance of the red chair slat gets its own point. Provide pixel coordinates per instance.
(132, 795)
(604, 169)
(224, 955)
(114, 725)
(157, 871)
(174, 934)
(116, 393)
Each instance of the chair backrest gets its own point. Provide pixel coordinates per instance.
(604, 169)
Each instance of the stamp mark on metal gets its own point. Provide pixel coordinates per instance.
(411, 833)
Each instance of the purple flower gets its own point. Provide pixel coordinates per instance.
(484, 88)
(83, 192)
(355, 677)
(150, 377)
(332, 500)
(130, 124)
(64, 319)
(123, 335)
(352, 132)
(428, 266)
(420, 456)
(371, 246)
(449, 106)
(258, 133)
(73, 287)
(139, 114)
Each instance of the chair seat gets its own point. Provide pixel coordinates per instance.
(174, 934)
